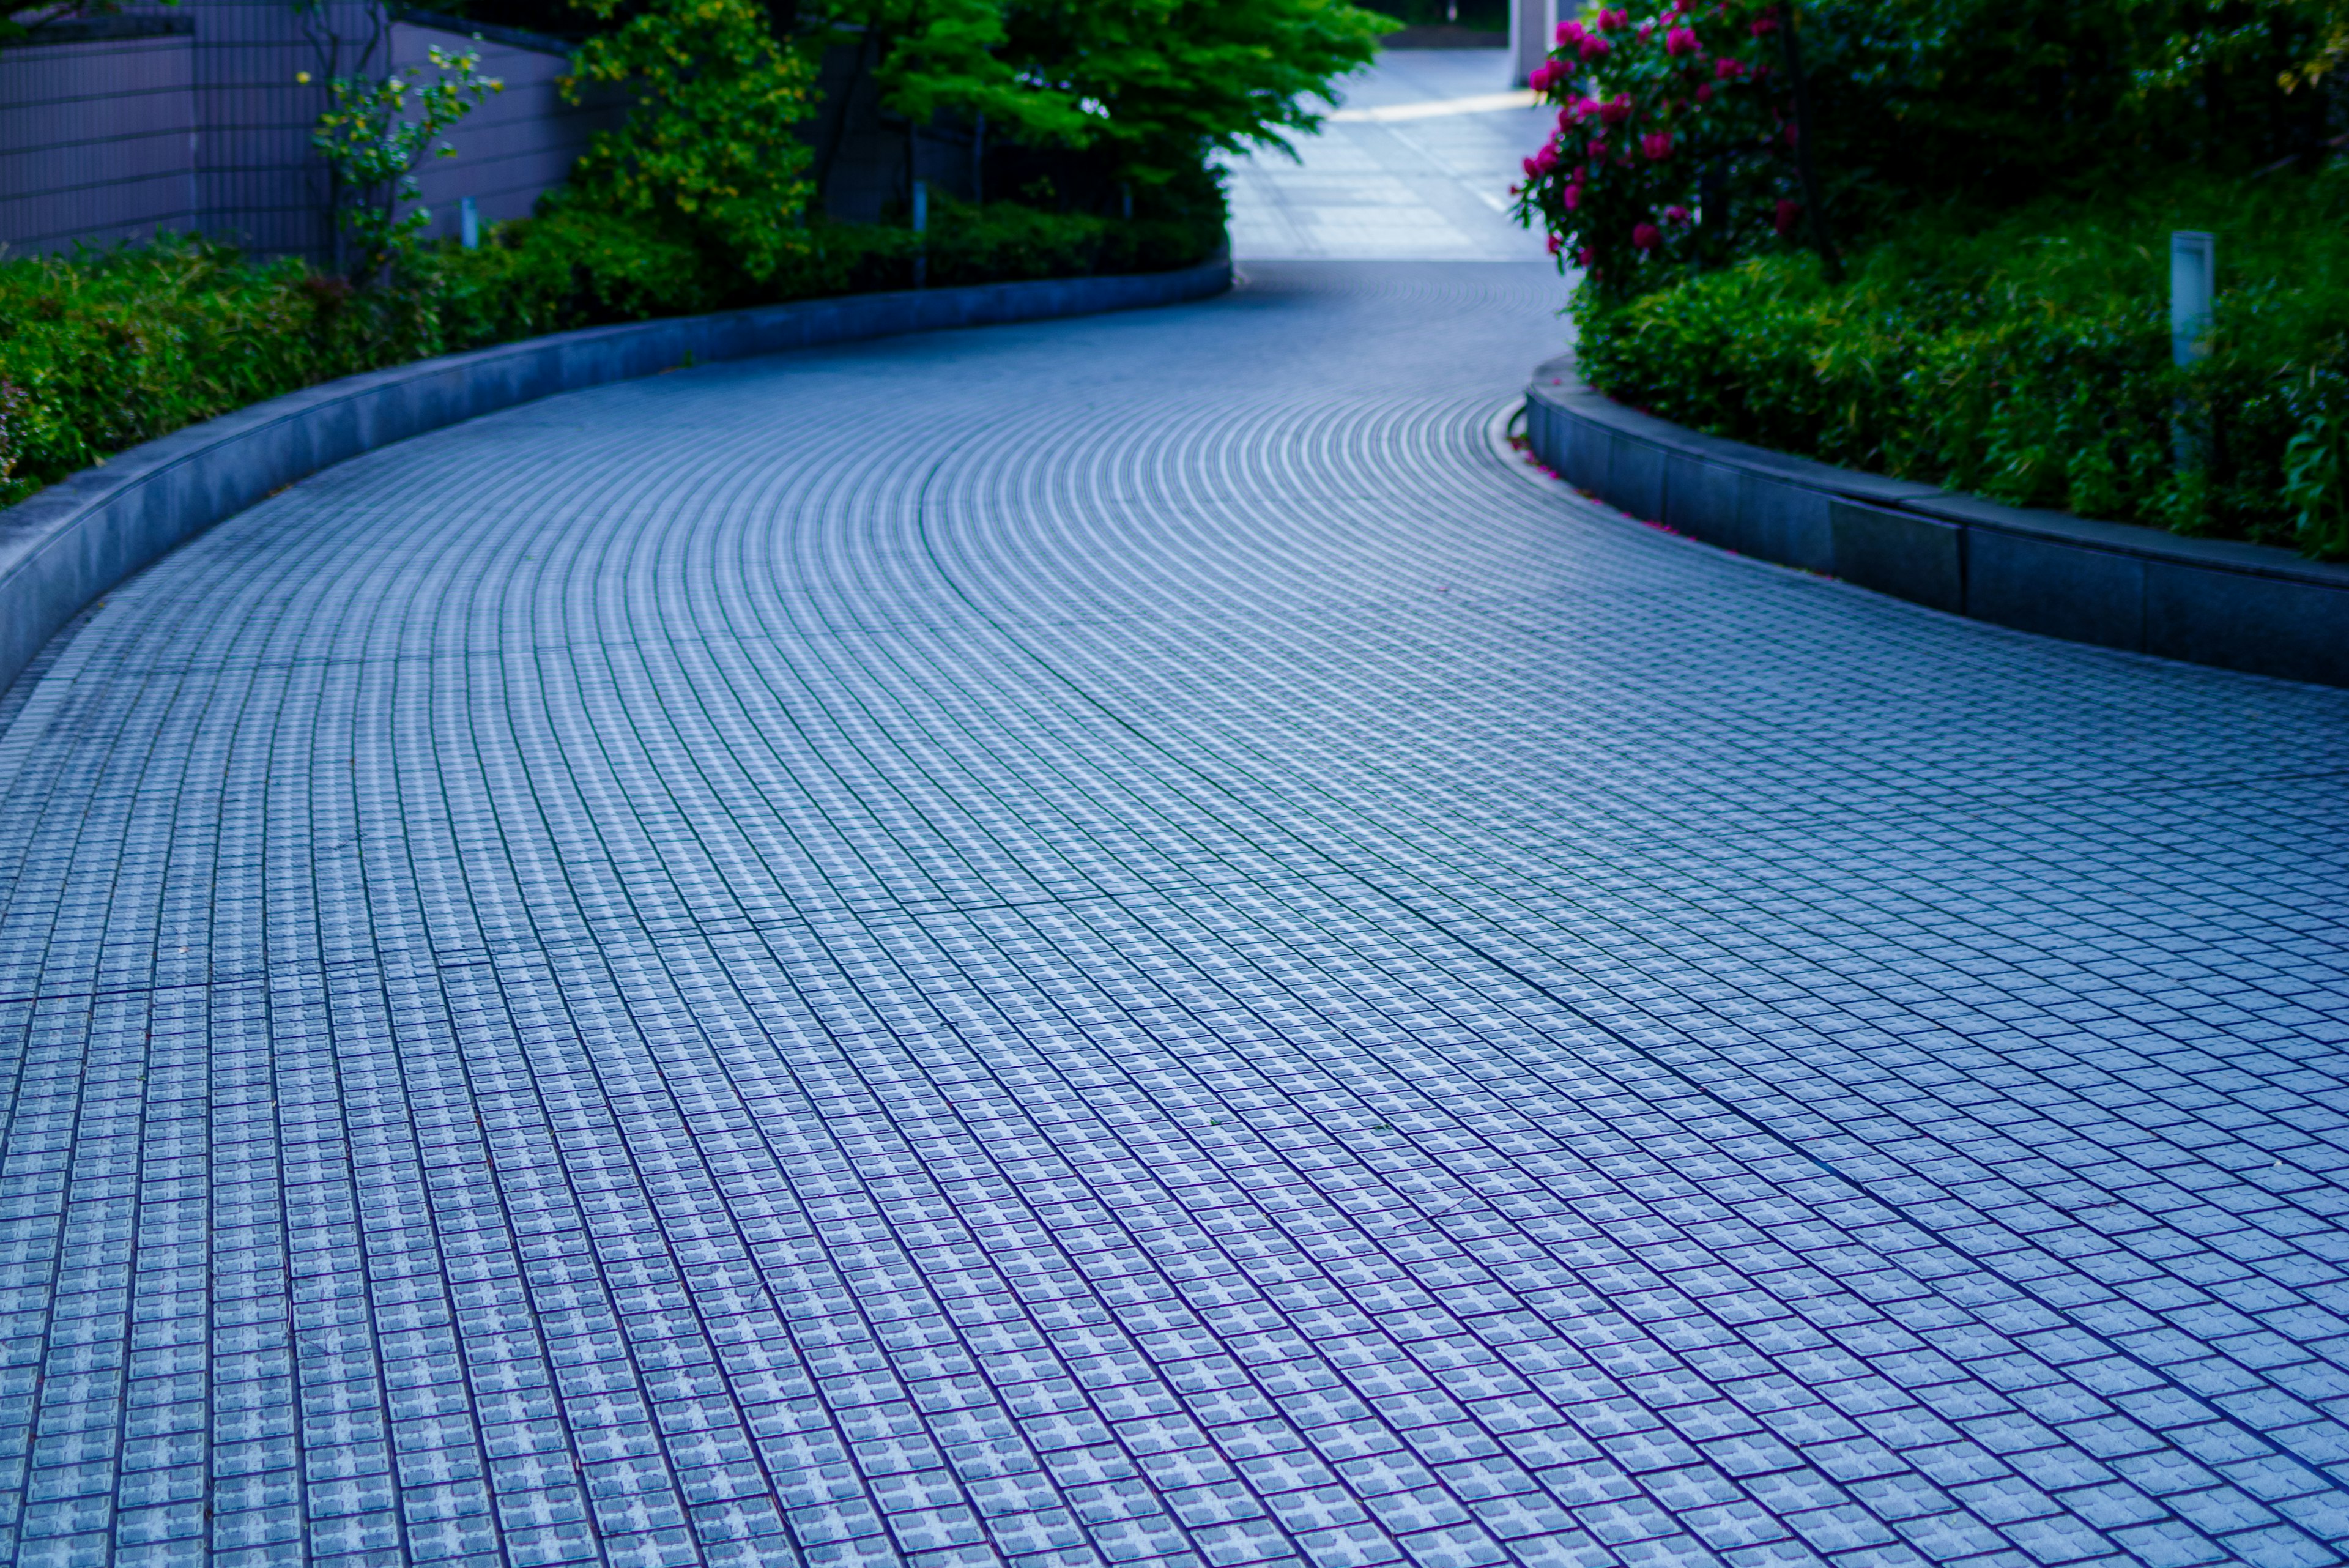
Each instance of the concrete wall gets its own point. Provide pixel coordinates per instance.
(258, 182)
(97, 136)
(2204, 601)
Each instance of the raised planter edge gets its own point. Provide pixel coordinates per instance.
(64, 547)
(2250, 607)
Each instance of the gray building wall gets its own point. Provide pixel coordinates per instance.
(196, 119)
(258, 181)
(97, 137)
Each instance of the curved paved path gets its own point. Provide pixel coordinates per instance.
(1108, 942)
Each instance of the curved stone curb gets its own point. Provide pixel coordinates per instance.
(2204, 601)
(63, 547)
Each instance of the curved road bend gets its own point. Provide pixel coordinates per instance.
(1108, 942)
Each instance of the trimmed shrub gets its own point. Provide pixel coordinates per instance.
(110, 348)
(2027, 358)
(104, 350)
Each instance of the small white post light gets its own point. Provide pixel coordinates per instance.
(469, 224)
(2193, 279)
(921, 226)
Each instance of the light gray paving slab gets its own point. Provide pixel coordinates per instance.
(1431, 188)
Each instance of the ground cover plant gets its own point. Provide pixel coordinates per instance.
(1969, 284)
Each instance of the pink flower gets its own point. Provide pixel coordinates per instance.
(1646, 236)
(1546, 160)
(1582, 257)
(1704, 93)
(1762, 24)
(1594, 46)
(1617, 110)
(1676, 214)
(1543, 75)
(1596, 150)
(1681, 41)
(1573, 197)
(1788, 211)
(1555, 242)
(1646, 29)
(1657, 145)
(1728, 71)
(1570, 32)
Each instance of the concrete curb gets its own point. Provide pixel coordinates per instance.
(62, 548)
(2203, 601)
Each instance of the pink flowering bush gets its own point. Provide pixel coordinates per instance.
(1672, 142)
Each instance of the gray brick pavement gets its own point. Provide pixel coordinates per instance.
(1103, 942)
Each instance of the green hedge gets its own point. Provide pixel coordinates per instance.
(2026, 358)
(104, 350)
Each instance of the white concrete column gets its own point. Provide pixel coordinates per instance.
(1532, 24)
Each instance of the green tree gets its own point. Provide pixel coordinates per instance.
(377, 130)
(1151, 87)
(708, 149)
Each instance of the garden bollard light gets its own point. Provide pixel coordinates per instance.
(2193, 278)
(921, 226)
(469, 224)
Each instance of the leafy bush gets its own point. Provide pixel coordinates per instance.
(1914, 102)
(569, 267)
(708, 148)
(2026, 356)
(1006, 242)
(1662, 122)
(110, 349)
(107, 349)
